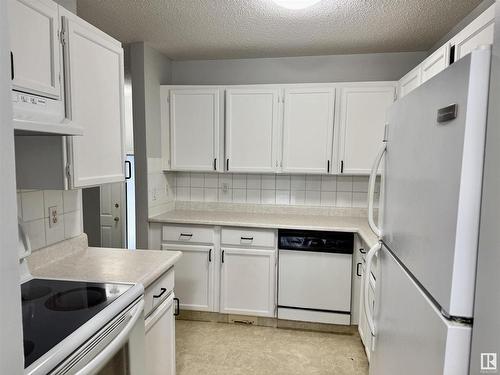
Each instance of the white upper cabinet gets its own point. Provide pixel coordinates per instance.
(94, 99)
(308, 130)
(252, 130)
(194, 129)
(362, 122)
(35, 48)
(410, 81)
(435, 63)
(478, 32)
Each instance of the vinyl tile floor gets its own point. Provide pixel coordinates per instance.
(232, 349)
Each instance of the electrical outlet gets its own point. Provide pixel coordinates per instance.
(225, 187)
(53, 216)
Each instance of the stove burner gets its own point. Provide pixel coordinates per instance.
(35, 292)
(28, 347)
(77, 299)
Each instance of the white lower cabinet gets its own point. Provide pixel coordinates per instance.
(248, 279)
(159, 312)
(194, 276)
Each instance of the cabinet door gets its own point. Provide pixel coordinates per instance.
(410, 81)
(252, 130)
(478, 32)
(35, 46)
(308, 130)
(357, 274)
(435, 63)
(362, 122)
(160, 339)
(248, 282)
(194, 276)
(194, 129)
(94, 78)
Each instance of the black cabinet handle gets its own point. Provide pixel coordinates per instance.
(452, 54)
(328, 167)
(11, 65)
(341, 166)
(246, 238)
(177, 309)
(210, 255)
(357, 269)
(227, 164)
(186, 235)
(163, 291)
(362, 251)
(222, 256)
(129, 169)
(215, 164)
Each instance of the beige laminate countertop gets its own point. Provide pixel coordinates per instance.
(357, 225)
(108, 265)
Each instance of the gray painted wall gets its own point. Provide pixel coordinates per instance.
(157, 71)
(68, 4)
(148, 70)
(338, 68)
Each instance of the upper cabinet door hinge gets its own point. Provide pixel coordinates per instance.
(62, 37)
(68, 170)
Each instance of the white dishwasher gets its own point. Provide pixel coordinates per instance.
(314, 279)
(160, 336)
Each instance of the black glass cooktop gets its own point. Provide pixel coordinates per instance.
(54, 309)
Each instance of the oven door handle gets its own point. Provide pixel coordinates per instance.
(109, 351)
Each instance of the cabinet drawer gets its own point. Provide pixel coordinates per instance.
(248, 237)
(157, 292)
(189, 234)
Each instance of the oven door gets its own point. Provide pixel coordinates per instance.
(127, 327)
(319, 282)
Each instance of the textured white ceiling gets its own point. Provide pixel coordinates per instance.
(215, 29)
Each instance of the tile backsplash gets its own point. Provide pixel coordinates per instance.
(33, 209)
(298, 190)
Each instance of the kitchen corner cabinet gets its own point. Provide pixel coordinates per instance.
(35, 60)
(194, 121)
(248, 281)
(308, 130)
(252, 130)
(194, 276)
(362, 122)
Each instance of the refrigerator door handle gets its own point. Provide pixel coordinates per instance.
(371, 189)
(366, 284)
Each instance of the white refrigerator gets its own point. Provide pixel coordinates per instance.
(434, 153)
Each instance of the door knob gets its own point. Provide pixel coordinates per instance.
(116, 219)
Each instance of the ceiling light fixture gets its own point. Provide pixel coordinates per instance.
(296, 4)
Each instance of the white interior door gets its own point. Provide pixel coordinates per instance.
(362, 121)
(248, 282)
(112, 215)
(94, 78)
(194, 129)
(308, 130)
(194, 276)
(35, 47)
(252, 130)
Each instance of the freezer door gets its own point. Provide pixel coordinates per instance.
(433, 181)
(412, 337)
